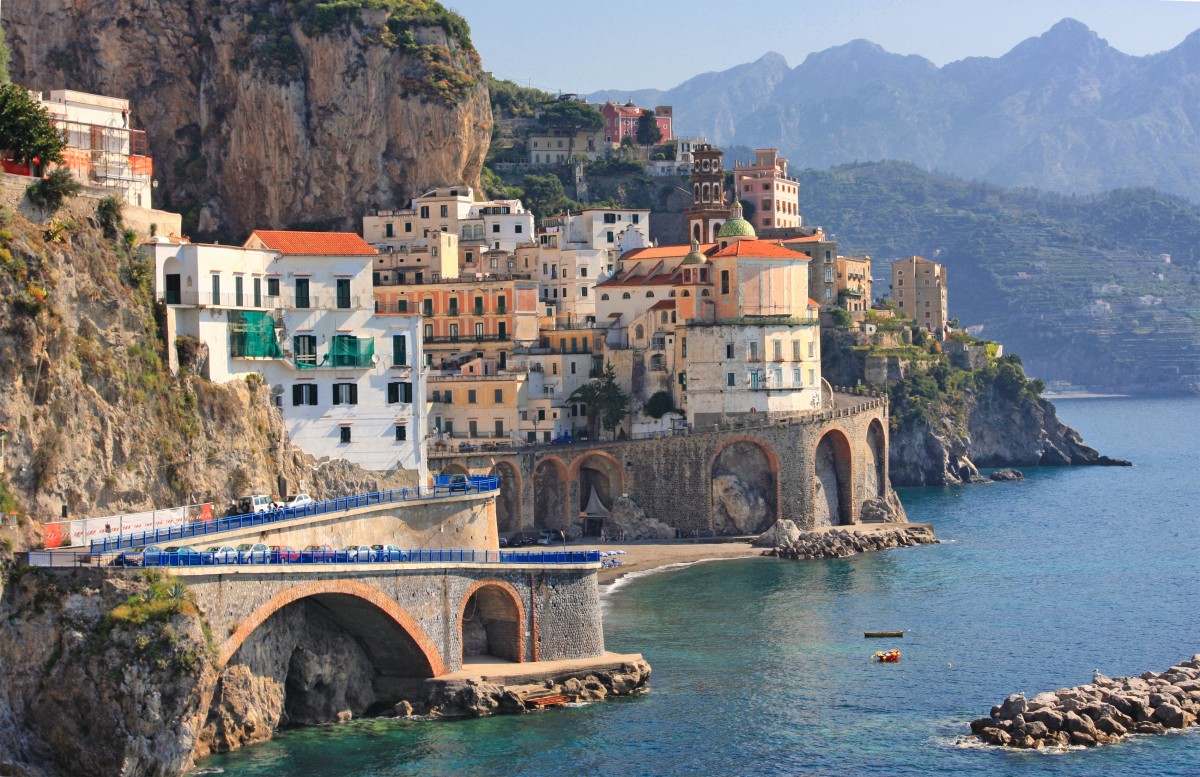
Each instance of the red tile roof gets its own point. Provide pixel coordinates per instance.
(313, 243)
(812, 303)
(665, 304)
(665, 252)
(759, 248)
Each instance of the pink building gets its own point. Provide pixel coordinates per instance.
(620, 121)
(765, 184)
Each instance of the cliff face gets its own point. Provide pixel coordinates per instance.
(266, 114)
(96, 421)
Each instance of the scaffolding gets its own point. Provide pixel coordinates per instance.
(108, 156)
(252, 335)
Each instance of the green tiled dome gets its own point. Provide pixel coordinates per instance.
(736, 226)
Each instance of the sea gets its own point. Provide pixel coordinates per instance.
(760, 665)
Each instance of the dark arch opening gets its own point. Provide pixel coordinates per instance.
(508, 503)
(745, 489)
(314, 659)
(454, 468)
(491, 625)
(876, 466)
(602, 475)
(833, 491)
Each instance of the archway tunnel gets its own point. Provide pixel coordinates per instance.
(491, 624)
(508, 503)
(550, 495)
(599, 480)
(745, 488)
(833, 489)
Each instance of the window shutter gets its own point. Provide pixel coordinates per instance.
(393, 393)
(337, 393)
(407, 392)
(298, 394)
(354, 393)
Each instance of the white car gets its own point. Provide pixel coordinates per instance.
(223, 553)
(299, 500)
(358, 552)
(255, 503)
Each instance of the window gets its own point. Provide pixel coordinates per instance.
(448, 397)
(445, 211)
(724, 281)
(829, 275)
(304, 394)
(427, 307)
(454, 306)
(501, 304)
(479, 331)
(237, 290)
(752, 352)
(471, 400)
(257, 292)
(343, 293)
(795, 350)
(812, 349)
(389, 230)
(583, 291)
(495, 228)
(778, 350)
(304, 349)
(649, 295)
(498, 396)
(728, 350)
(401, 432)
(408, 226)
(399, 391)
(399, 350)
(604, 298)
(216, 289)
(729, 379)
(345, 434)
(272, 287)
(683, 347)
(517, 229)
(345, 394)
(479, 306)
(796, 377)
(428, 332)
(812, 377)
(828, 256)
(610, 237)
(635, 218)
(454, 332)
(541, 414)
(424, 211)
(610, 218)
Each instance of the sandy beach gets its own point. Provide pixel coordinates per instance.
(642, 556)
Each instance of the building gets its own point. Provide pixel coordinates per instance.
(620, 121)
(498, 224)
(765, 184)
(297, 309)
(708, 210)
(562, 146)
(102, 149)
(854, 283)
(464, 318)
(919, 291)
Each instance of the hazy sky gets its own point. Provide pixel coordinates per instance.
(631, 44)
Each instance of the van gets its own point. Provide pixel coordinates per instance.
(255, 503)
(550, 537)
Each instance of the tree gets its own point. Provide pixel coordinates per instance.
(26, 130)
(571, 115)
(607, 405)
(544, 195)
(648, 132)
(659, 404)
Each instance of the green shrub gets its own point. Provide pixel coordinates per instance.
(108, 213)
(659, 405)
(50, 192)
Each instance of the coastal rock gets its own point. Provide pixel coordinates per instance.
(738, 507)
(629, 519)
(1006, 474)
(1100, 712)
(843, 542)
(782, 532)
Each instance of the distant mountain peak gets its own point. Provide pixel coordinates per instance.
(772, 58)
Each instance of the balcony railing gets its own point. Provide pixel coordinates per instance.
(246, 301)
(469, 338)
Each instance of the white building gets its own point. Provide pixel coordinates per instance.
(494, 224)
(102, 150)
(298, 309)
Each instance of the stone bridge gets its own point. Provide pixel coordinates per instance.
(817, 469)
(410, 619)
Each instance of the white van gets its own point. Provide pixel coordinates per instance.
(255, 503)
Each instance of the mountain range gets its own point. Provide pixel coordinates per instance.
(1062, 112)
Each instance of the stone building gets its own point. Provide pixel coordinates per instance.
(919, 291)
(775, 195)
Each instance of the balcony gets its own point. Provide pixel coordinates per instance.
(246, 301)
(468, 339)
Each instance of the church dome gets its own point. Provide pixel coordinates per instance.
(695, 257)
(736, 226)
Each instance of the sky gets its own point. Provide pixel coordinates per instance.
(571, 46)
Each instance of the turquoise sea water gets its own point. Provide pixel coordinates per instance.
(760, 666)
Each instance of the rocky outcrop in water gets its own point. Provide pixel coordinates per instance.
(1103, 711)
(272, 113)
(1006, 475)
(840, 543)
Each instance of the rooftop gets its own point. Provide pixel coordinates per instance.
(312, 243)
(759, 248)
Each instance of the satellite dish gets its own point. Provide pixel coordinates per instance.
(374, 358)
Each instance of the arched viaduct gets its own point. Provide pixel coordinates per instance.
(816, 470)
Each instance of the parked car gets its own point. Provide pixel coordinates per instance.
(179, 549)
(504, 542)
(358, 552)
(388, 553)
(222, 553)
(562, 439)
(466, 447)
(254, 503)
(299, 500)
(550, 537)
(318, 553)
(456, 483)
(253, 553)
(136, 557)
(519, 541)
(282, 553)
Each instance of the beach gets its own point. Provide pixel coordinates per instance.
(640, 557)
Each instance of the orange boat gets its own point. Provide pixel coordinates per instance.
(889, 657)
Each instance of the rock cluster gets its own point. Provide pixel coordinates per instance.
(471, 698)
(839, 543)
(1100, 712)
(1006, 474)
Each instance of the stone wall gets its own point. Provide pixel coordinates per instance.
(143, 221)
(671, 478)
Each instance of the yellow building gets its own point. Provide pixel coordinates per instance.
(854, 283)
(919, 291)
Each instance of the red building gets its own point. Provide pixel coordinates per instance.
(620, 121)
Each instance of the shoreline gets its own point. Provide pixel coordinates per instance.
(643, 558)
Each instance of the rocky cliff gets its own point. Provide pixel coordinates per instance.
(95, 420)
(273, 113)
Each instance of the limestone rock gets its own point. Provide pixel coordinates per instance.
(782, 532)
(738, 508)
(628, 517)
(1006, 474)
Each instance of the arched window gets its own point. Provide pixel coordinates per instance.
(672, 294)
(639, 332)
(687, 293)
(663, 317)
(697, 191)
(696, 227)
(649, 295)
(704, 292)
(625, 295)
(604, 297)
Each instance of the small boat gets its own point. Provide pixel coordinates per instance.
(889, 657)
(876, 634)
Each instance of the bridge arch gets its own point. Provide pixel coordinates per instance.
(551, 494)
(491, 621)
(833, 487)
(455, 468)
(365, 608)
(599, 471)
(875, 467)
(509, 513)
(744, 486)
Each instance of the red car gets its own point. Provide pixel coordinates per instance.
(284, 553)
(318, 553)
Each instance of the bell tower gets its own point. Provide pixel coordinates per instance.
(708, 211)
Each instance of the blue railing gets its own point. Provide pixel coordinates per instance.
(443, 487)
(310, 557)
